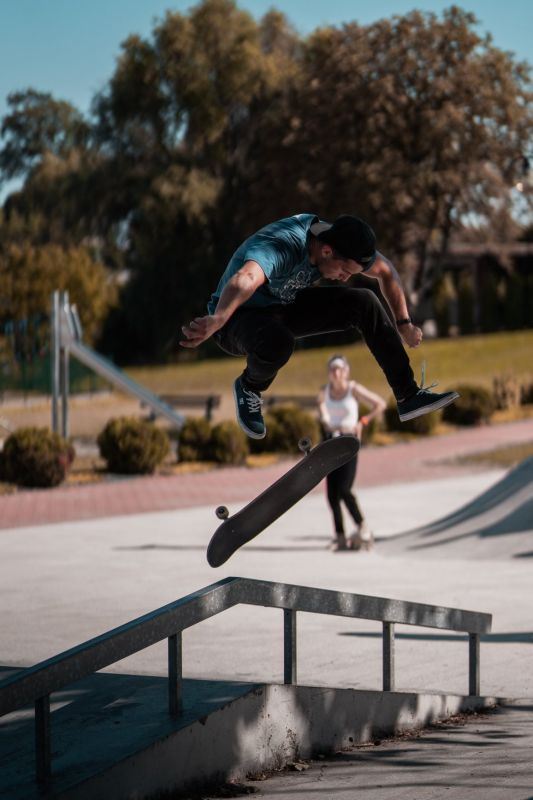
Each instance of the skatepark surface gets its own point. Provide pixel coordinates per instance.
(464, 540)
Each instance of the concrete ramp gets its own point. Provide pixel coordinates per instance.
(497, 524)
(113, 736)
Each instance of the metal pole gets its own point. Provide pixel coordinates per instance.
(473, 671)
(43, 751)
(388, 657)
(55, 345)
(175, 674)
(289, 648)
(65, 376)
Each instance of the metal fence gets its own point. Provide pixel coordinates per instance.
(36, 684)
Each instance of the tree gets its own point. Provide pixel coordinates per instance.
(413, 121)
(37, 125)
(29, 274)
(216, 124)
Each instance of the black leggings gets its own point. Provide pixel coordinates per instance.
(339, 488)
(266, 335)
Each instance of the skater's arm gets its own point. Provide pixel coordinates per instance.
(391, 288)
(237, 291)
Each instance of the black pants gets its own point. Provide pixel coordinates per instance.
(339, 487)
(266, 336)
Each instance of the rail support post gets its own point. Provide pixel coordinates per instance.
(43, 750)
(473, 664)
(175, 675)
(289, 649)
(388, 657)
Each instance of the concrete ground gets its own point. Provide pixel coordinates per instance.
(63, 583)
(484, 757)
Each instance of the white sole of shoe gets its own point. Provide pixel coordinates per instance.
(419, 412)
(242, 426)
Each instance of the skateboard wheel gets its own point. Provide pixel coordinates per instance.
(222, 512)
(305, 444)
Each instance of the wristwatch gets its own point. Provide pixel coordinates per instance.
(405, 321)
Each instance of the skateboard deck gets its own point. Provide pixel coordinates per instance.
(245, 524)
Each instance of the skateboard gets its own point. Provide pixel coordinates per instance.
(245, 524)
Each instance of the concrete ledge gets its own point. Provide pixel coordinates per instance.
(265, 729)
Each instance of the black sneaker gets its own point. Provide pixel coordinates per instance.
(423, 402)
(248, 404)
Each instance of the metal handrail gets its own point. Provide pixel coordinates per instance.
(36, 684)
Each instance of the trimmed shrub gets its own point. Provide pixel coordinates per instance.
(421, 426)
(286, 425)
(193, 440)
(228, 443)
(36, 457)
(474, 406)
(506, 391)
(132, 446)
(526, 391)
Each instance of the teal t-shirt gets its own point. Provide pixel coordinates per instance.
(281, 250)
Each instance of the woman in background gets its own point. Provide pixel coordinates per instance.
(338, 404)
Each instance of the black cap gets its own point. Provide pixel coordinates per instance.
(352, 238)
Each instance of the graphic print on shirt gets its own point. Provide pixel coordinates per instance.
(287, 291)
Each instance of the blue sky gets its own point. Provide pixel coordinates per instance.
(69, 48)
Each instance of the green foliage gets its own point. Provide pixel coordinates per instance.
(215, 124)
(474, 406)
(28, 275)
(506, 391)
(422, 426)
(443, 295)
(194, 440)
(36, 125)
(526, 391)
(35, 457)
(228, 443)
(465, 303)
(286, 425)
(131, 446)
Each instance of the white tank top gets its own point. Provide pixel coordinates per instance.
(343, 413)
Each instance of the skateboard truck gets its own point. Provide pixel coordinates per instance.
(305, 445)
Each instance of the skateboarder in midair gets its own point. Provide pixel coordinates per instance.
(266, 299)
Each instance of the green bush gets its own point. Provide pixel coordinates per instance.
(286, 425)
(506, 391)
(422, 426)
(228, 443)
(36, 457)
(474, 406)
(131, 446)
(193, 440)
(526, 391)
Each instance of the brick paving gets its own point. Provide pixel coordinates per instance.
(423, 459)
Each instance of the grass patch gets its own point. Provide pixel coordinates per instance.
(468, 359)
(505, 456)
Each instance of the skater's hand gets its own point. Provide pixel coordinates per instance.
(411, 335)
(200, 329)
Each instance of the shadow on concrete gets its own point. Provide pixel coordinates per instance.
(196, 547)
(100, 720)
